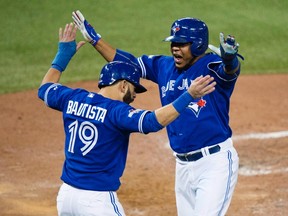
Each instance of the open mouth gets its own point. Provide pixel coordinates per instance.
(177, 58)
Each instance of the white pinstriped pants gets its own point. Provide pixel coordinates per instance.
(76, 202)
(205, 187)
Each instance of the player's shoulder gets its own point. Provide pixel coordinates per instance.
(109, 103)
(79, 92)
(157, 57)
(119, 107)
(212, 57)
(165, 61)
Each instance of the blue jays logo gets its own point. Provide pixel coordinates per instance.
(55, 86)
(133, 111)
(175, 29)
(196, 107)
(90, 95)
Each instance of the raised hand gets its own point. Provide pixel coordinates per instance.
(228, 48)
(86, 29)
(67, 47)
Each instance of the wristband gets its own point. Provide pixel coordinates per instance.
(66, 50)
(182, 102)
(231, 64)
(94, 41)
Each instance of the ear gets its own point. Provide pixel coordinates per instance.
(123, 85)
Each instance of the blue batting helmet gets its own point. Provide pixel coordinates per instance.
(118, 70)
(190, 30)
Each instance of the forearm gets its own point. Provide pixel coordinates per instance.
(165, 115)
(65, 52)
(106, 50)
(53, 75)
(66, 49)
(161, 117)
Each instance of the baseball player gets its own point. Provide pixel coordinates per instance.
(97, 128)
(206, 161)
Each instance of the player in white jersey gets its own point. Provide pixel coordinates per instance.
(206, 160)
(98, 125)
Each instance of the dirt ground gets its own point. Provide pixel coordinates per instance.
(31, 154)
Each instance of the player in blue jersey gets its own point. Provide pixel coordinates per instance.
(206, 161)
(97, 128)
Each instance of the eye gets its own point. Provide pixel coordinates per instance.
(131, 86)
(180, 45)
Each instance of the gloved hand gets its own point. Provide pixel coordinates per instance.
(86, 29)
(228, 49)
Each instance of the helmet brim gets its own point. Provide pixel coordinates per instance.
(139, 88)
(176, 39)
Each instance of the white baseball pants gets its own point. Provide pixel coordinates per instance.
(205, 187)
(76, 202)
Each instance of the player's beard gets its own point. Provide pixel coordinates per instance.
(128, 97)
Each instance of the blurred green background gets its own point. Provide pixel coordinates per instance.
(29, 33)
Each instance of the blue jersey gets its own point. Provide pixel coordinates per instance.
(97, 133)
(205, 122)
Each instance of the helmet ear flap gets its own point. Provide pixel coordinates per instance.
(197, 48)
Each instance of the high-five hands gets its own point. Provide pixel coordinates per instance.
(67, 47)
(86, 29)
(202, 86)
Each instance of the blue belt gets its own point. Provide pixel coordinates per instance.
(196, 156)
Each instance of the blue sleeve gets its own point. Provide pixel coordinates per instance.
(149, 64)
(54, 95)
(134, 120)
(150, 123)
(125, 57)
(216, 67)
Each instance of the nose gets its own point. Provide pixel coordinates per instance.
(179, 45)
(175, 46)
(175, 49)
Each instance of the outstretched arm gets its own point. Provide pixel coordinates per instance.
(161, 117)
(200, 86)
(67, 47)
(105, 49)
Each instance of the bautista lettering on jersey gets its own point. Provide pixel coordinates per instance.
(86, 111)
